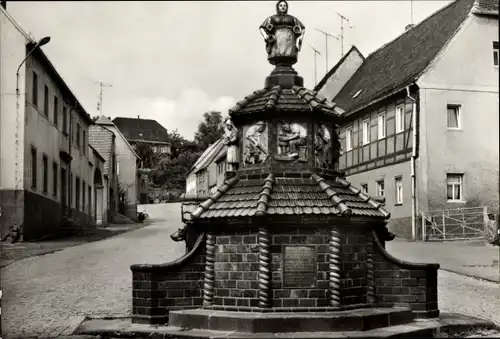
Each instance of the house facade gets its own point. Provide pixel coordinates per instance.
(127, 172)
(205, 175)
(103, 140)
(416, 130)
(48, 169)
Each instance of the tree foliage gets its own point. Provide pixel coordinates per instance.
(171, 172)
(209, 130)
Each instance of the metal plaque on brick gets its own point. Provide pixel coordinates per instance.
(299, 266)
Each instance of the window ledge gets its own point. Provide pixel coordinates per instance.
(400, 204)
(456, 201)
(455, 129)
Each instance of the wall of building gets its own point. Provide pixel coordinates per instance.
(12, 52)
(47, 132)
(393, 148)
(400, 222)
(339, 78)
(191, 185)
(202, 188)
(127, 173)
(473, 149)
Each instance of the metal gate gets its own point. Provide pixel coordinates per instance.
(455, 224)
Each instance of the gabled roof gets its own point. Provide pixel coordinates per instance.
(295, 99)
(105, 122)
(272, 195)
(141, 129)
(208, 156)
(337, 65)
(101, 139)
(400, 62)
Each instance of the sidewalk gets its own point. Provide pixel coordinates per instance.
(472, 258)
(11, 253)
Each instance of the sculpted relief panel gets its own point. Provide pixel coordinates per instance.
(292, 142)
(255, 138)
(326, 146)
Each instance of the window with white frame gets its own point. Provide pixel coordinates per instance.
(453, 117)
(348, 139)
(495, 53)
(400, 118)
(366, 131)
(399, 190)
(454, 189)
(380, 188)
(364, 188)
(381, 125)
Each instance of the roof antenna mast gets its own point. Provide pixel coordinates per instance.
(342, 19)
(99, 100)
(411, 11)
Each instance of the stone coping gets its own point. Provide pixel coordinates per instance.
(402, 263)
(184, 260)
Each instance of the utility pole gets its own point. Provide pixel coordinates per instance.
(326, 44)
(316, 52)
(342, 19)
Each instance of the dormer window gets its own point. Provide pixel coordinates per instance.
(357, 93)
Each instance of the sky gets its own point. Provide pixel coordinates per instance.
(172, 61)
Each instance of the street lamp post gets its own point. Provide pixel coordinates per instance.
(40, 43)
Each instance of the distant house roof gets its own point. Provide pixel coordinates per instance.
(337, 65)
(400, 62)
(104, 121)
(101, 139)
(142, 129)
(208, 156)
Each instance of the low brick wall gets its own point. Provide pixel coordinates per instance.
(400, 283)
(158, 289)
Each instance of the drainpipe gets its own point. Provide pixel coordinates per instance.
(412, 164)
(70, 138)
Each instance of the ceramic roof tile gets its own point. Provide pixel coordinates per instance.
(314, 195)
(277, 98)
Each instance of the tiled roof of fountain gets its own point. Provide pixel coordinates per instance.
(287, 196)
(295, 99)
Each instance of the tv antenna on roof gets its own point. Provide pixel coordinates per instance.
(342, 19)
(99, 100)
(326, 44)
(316, 52)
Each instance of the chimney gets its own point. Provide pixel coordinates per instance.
(4, 4)
(138, 116)
(410, 26)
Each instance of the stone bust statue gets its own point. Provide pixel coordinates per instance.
(283, 34)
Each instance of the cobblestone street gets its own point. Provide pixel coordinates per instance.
(49, 295)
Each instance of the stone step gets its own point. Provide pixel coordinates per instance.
(254, 322)
(446, 326)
